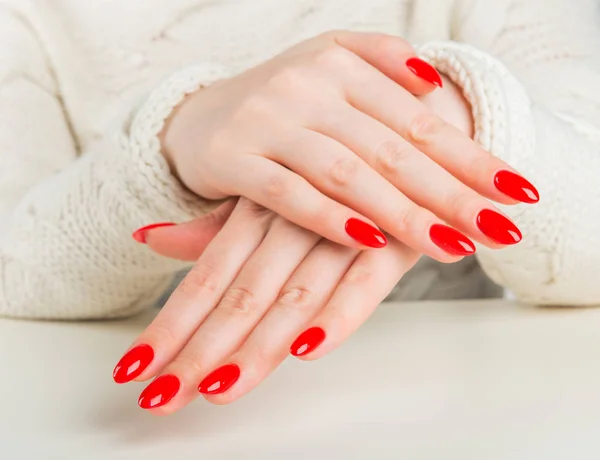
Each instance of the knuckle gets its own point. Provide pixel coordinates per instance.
(325, 213)
(479, 166)
(189, 363)
(255, 106)
(251, 209)
(330, 36)
(425, 127)
(460, 201)
(297, 298)
(334, 56)
(382, 43)
(261, 356)
(360, 275)
(290, 79)
(163, 333)
(276, 187)
(343, 171)
(202, 279)
(406, 219)
(219, 140)
(390, 155)
(238, 300)
(287, 229)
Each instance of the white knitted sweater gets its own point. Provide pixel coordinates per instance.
(85, 87)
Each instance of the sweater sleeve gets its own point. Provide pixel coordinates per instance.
(66, 213)
(532, 84)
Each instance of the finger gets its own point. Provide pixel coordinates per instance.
(396, 108)
(342, 175)
(241, 308)
(416, 175)
(370, 279)
(196, 295)
(187, 241)
(294, 198)
(303, 296)
(393, 56)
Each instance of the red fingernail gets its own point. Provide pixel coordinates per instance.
(159, 392)
(140, 234)
(516, 187)
(451, 240)
(220, 380)
(133, 363)
(307, 341)
(425, 71)
(498, 228)
(365, 233)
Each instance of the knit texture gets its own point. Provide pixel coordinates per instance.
(86, 87)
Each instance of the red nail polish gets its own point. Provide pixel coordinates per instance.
(425, 71)
(140, 234)
(159, 392)
(133, 363)
(365, 233)
(516, 187)
(307, 341)
(220, 380)
(498, 228)
(451, 240)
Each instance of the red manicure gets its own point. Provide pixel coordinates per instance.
(140, 234)
(307, 341)
(365, 233)
(425, 71)
(451, 240)
(159, 392)
(516, 187)
(220, 380)
(498, 228)
(133, 363)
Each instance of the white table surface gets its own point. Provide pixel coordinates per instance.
(438, 380)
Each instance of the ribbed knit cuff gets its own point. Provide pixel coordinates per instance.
(151, 177)
(501, 109)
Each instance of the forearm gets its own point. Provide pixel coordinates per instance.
(557, 260)
(66, 250)
(554, 262)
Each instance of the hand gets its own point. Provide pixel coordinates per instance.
(330, 136)
(236, 315)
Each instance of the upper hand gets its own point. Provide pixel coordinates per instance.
(330, 136)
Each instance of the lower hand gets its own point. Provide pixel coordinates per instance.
(277, 289)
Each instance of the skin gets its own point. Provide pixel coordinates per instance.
(251, 293)
(331, 130)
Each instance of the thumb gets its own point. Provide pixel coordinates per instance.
(188, 241)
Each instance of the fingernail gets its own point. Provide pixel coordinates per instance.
(159, 392)
(425, 71)
(307, 341)
(451, 240)
(516, 187)
(140, 234)
(498, 228)
(220, 380)
(133, 363)
(365, 233)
